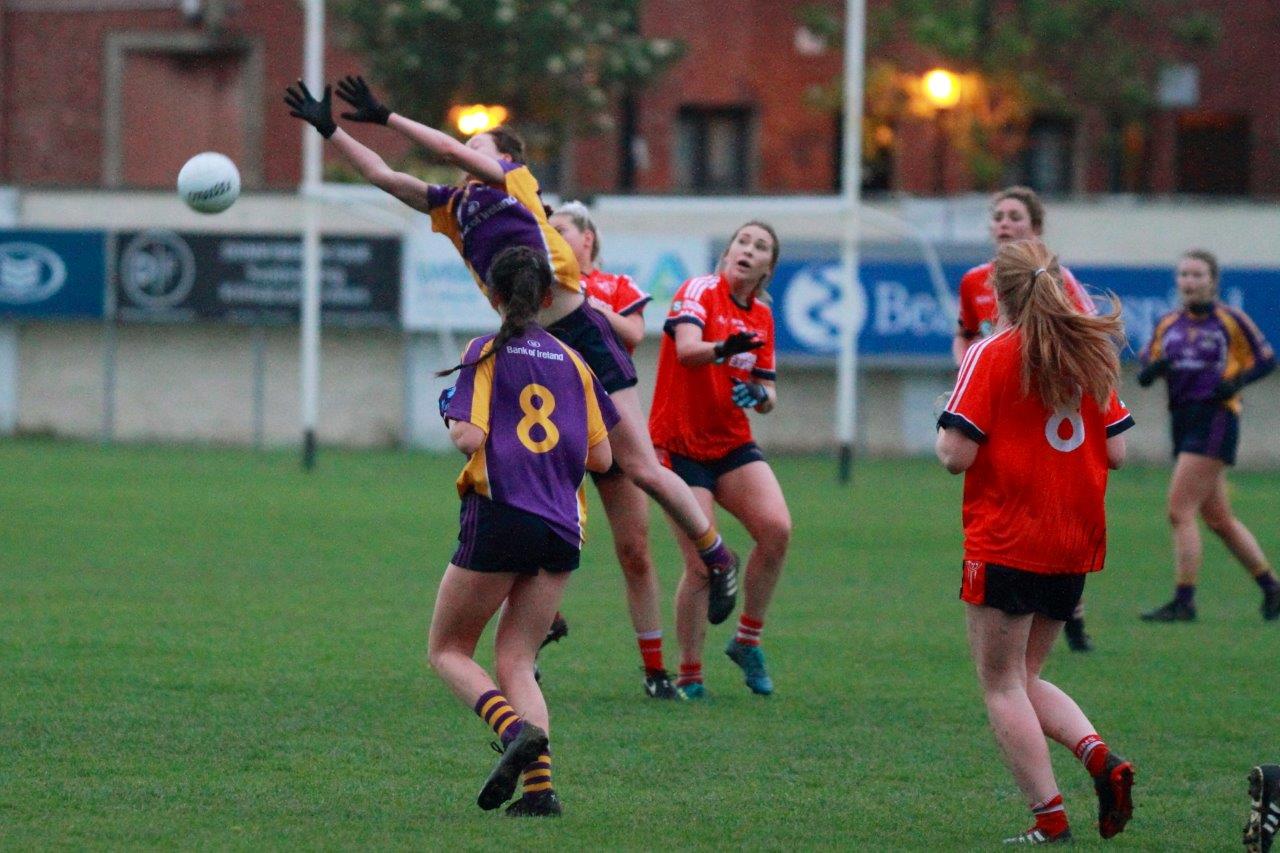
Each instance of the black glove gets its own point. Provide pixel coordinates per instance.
(302, 105)
(736, 343)
(1152, 371)
(748, 395)
(369, 109)
(1226, 389)
(446, 396)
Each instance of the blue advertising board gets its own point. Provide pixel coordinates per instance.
(52, 274)
(900, 314)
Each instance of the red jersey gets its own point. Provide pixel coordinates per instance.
(693, 412)
(1034, 496)
(978, 311)
(618, 291)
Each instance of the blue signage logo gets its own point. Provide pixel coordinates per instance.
(29, 272)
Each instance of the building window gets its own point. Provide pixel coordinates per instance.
(712, 149)
(1045, 165)
(1213, 153)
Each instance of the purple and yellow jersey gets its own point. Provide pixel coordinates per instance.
(540, 408)
(483, 219)
(1202, 351)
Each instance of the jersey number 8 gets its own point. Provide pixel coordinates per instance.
(537, 416)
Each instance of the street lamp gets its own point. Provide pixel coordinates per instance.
(477, 118)
(942, 90)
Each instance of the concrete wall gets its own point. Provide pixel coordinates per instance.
(196, 383)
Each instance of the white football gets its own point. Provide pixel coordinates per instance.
(209, 182)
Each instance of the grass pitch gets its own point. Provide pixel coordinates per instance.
(210, 648)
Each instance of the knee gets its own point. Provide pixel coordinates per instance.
(437, 656)
(1179, 517)
(633, 555)
(998, 681)
(1220, 523)
(775, 537)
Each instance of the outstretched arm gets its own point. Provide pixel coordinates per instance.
(318, 113)
(367, 108)
(448, 149)
(409, 189)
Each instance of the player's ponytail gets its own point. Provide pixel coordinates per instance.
(1065, 352)
(519, 281)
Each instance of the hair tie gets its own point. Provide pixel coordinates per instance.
(1035, 275)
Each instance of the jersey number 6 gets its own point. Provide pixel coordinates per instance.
(539, 416)
(1058, 423)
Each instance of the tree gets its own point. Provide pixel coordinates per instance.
(1076, 59)
(556, 64)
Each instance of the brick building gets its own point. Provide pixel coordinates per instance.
(117, 93)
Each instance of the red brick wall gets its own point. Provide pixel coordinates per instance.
(738, 54)
(53, 89)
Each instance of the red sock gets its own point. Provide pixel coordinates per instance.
(690, 673)
(749, 630)
(1092, 753)
(1051, 816)
(650, 643)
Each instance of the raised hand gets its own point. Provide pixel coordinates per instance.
(318, 114)
(736, 343)
(356, 92)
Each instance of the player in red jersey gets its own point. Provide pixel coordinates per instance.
(1035, 424)
(717, 360)
(613, 295)
(1016, 214)
(618, 300)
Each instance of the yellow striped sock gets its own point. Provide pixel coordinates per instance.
(494, 709)
(537, 776)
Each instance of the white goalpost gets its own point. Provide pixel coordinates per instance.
(851, 184)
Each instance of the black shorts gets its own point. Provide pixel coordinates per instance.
(704, 474)
(1209, 429)
(496, 537)
(588, 331)
(1019, 592)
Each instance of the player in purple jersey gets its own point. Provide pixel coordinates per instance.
(1207, 352)
(498, 205)
(532, 419)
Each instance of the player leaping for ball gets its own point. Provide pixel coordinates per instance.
(498, 206)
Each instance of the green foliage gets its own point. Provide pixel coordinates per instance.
(1069, 56)
(1045, 57)
(557, 62)
(210, 649)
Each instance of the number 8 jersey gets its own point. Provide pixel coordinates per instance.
(540, 408)
(1034, 498)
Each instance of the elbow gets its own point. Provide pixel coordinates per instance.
(383, 178)
(689, 357)
(468, 445)
(1117, 449)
